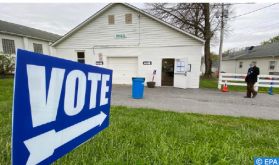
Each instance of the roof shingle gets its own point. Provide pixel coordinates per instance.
(261, 51)
(12, 28)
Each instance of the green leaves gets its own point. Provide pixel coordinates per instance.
(7, 63)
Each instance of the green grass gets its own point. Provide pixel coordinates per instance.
(147, 136)
(6, 94)
(213, 84)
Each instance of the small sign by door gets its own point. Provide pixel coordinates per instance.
(147, 62)
(180, 73)
(99, 63)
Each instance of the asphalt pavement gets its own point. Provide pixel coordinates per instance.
(203, 101)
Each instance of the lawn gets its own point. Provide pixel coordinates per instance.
(213, 84)
(147, 136)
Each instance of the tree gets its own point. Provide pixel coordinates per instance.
(7, 64)
(198, 19)
(271, 40)
(214, 57)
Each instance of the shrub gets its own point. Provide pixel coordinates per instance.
(7, 63)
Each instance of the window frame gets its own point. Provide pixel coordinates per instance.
(269, 66)
(111, 19)
(128, 18)
(81, 59)
(10, 47)
(240, 65)
(41, 47)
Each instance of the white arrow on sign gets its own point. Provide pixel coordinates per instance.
(43, 145)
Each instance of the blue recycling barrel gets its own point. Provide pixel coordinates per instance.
(137, 87)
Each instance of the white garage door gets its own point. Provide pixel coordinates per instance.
(124, 68)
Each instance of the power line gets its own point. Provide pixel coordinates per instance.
(261, 27)
(248, 3)
(253, 11)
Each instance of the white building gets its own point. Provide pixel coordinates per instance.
(14, 36)
(134, 43)
(266, 57)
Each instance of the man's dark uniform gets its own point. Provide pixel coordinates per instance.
(251, 79)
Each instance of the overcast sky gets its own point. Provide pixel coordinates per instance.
(247, 30)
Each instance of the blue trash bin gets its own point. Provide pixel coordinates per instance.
(137, 87)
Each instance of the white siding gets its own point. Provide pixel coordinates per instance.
(152, 33)
(228, 66)
(232, 66)
(124, 68)
(193, 53)
(25, 43)
(154, 42)
(71, 54)
(18, 41)
(45, 44)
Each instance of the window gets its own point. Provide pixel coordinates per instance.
(128, 18)
(240, 64)
(272, 65)
(38, 48)
(80, 57)
(111, 19)
(8, 46)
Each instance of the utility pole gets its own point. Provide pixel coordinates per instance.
(224, 14)
(221, 40)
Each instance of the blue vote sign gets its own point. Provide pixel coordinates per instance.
(58, 105)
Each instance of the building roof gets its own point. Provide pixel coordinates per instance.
(131, 7)
(261, 51)
(20, 30)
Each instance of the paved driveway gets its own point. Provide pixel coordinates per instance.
(200, 101)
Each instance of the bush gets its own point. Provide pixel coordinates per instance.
(7, 64)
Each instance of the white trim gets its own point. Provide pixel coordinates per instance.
(127, 46)
(129, 6)
(239, 80)
(79, 50)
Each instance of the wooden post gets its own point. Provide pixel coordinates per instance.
(220, 81)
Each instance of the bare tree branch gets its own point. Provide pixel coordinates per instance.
(198, 19)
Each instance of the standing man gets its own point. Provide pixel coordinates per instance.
(251, 79)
